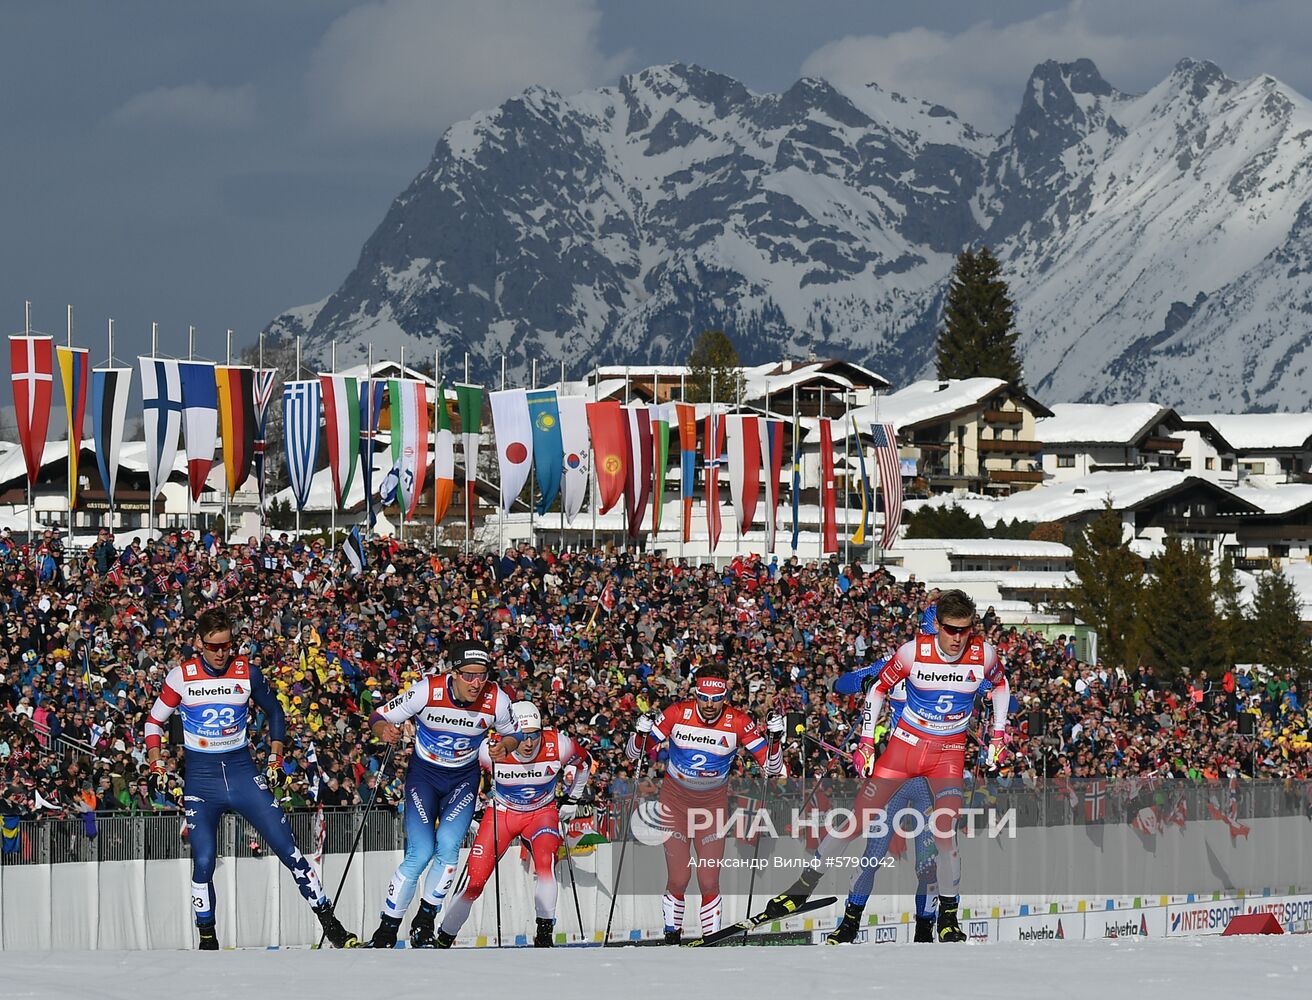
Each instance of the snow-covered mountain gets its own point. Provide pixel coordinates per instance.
(1158, 246)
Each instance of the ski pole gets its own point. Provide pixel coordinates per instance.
(569, 863)
(496, 865)
(624, 844)
(756, 848)
(359, 833)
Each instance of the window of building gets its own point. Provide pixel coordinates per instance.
(1065, 461)
(1227, 465)
(1252, 468)
(1209, 463)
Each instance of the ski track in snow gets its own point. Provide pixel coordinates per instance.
(1163, 969)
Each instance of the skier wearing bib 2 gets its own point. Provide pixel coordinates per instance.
(452, 713)
(213, 692)
(704, 736)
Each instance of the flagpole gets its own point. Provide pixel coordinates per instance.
(532, 479)
(562, 467)
(71, 483)
(712, 435)
(369, 441)
(501, 486)
(683, 511)
(332, 529)
(737, 523)
(109, 493)
(284, 430)
(27, 332)
(154, 352)
(658, 478)
(593, 465)
(847, 480)
(767, 466)
(440, 400)
(191, 350)
(469, 477)
(227, 528)
(821, 479)
(795, 484)
(400, 472)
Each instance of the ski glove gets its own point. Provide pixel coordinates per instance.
(996, 746)
(863, 757)
(775, 726)
(643, 725)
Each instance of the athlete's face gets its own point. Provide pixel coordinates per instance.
(710, 708)
(952, 634)
(469, 681)
(216, 648)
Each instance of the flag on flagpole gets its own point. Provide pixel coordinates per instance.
(859, 536)
(371, 405)
(470, 400)
(31, 363)
(200, 420)
(714, 443)
(161, 406)
(341, 424)
(797, 469)
(828, 495)
(606, 422)
(772, 458)
(109, 411)
(236, 392)
(575, 444)
(637, 480)
(444, 458)
(514, 439)
(660, 455)
(262, 390)
(353, 548)
(744, 454)
(548, 445)
(73, 363)
(687, 414)
(300, 426)
(889, 463)
(408, 400)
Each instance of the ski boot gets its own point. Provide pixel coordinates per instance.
(846, 931)
(445, 940)
(794, 896)
(948, 927)
(421, 927)
(546, 934)
(209, 940)
(385, 934)
(337, 935)
(924, 930)
(673, 936)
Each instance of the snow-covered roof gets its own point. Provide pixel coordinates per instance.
(1099, 423)
(1004, 579)
(928, 400)
(1276, 499)
(987, 548)
(1258, 431)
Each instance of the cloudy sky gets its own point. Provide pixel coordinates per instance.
(213, 164)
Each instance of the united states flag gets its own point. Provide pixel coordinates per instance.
(890, 480)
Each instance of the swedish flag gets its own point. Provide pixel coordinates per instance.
(10, 835)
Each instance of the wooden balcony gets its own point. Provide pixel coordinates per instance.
(1015, 476)
(1001, 446)
(1004, 417)
(1162, 444)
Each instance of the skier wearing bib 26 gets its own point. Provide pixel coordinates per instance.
(704, 736)
(943, 675)
(524, 805)
(452, 713)
(213, 692)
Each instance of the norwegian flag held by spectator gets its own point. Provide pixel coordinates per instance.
(1095, 802)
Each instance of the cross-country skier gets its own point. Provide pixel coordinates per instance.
(213, 692)
(523, 806)
(453, 713)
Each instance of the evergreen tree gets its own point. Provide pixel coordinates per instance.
(1109, 580)
(1278, 639)
(1179, 630)
(1229, 608)
(978, 336)
(950, 521)
(713, 356)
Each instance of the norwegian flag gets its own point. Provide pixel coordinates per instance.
(1179, 815)
(890, 480)
(115, 575)
(1095, 802)
(1230, 819)
(608, 596)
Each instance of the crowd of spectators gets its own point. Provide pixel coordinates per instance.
(594, 637)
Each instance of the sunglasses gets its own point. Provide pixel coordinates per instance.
(471, 676)
(711, 698)
(217, 647)
(954, 629)
(530, 736)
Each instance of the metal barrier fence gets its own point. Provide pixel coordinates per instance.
(159, 836)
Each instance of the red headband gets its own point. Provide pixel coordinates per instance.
(711, 687)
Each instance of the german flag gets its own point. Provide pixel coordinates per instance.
(236, 422)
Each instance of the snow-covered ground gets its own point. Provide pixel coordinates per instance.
(1162, 969)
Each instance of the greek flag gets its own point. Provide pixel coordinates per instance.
(300, 419)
